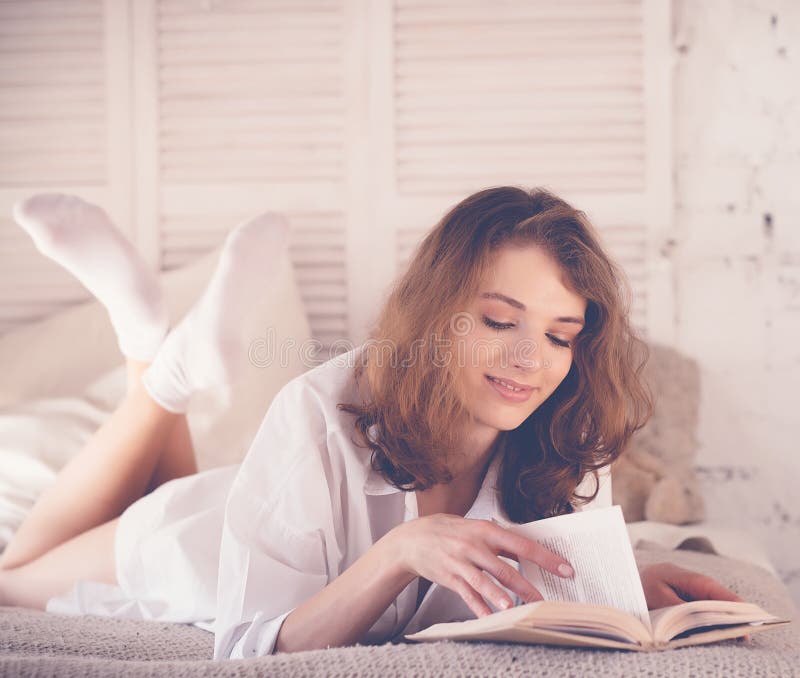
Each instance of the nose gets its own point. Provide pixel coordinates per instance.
(527, 355)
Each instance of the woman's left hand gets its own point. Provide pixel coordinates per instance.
(666, 584)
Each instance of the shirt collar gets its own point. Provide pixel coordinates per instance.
(486, 505)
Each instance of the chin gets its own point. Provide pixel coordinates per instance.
(511, 425)
(505, 421)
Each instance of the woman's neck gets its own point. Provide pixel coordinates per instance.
(476, 449)
(457, 496)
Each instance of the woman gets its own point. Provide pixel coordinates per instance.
(501, 377)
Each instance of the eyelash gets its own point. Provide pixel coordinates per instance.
(506, 326)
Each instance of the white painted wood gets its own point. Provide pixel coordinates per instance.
(144, 68)
(537, 94)
(362, 120)
(65, 122)
(359, 183)
(117, 48)
(372, 247)
(259, 108)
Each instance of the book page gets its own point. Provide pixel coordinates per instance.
(596, 543)
(700, 616)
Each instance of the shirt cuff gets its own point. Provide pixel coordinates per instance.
(260, 637)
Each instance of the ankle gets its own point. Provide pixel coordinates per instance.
(134, 370)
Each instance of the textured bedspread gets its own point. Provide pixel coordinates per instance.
(38, 644)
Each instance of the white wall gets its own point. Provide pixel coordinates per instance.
(737, 257)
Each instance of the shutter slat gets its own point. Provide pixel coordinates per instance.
(53, 124)
(173, 7)
(216, 63)
(316, 248)
(571, 119)
(53, 129)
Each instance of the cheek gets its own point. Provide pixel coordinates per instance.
(483, 349)
(559, 368)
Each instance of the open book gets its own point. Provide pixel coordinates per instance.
(604, 604)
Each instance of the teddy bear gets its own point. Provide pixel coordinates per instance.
(654, 477)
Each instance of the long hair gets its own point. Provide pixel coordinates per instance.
(414, 414)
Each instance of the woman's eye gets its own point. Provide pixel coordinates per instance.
(496, 325)
(557, 341)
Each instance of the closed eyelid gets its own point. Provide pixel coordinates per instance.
(497, 325)
(558, 341)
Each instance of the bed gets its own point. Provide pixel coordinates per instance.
(55, 392)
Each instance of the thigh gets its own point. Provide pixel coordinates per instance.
(88, 556)
(99, 541)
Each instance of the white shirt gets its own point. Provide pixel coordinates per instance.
(236, 549)
(304, 506)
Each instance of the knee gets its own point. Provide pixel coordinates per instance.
(6, 563)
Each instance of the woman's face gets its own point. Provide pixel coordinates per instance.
(514, 343)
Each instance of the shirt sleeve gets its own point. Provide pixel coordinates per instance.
(276, 545)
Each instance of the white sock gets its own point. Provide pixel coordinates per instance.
(208, 347)
(81, 237)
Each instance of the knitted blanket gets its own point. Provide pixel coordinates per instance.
(38, 644)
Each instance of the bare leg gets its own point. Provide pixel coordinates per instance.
(177, 459)
(90, 556)
(126, 456)
(113, 470)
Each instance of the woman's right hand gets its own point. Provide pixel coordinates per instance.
(458, 553)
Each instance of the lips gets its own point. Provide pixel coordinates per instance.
(509, 389)
(510, 382)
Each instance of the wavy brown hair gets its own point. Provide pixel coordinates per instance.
(413, 416)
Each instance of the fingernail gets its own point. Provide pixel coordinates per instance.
(565, 570)
(504, 604)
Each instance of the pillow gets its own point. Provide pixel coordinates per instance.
(63, 376)
(655, 479)
(62, 354)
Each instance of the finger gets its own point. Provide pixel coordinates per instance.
(506, 575)
(663, 596)
(516, 546)
(480, 582)
(468, 595)
(700, 587)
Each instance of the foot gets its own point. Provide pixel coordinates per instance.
(81, 237)
(207, 348)
(4, 599)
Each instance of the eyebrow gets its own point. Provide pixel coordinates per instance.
(518, 304)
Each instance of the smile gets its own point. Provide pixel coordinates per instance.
(510, 389)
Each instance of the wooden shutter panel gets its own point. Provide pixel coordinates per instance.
(509, 92)
(250, 117)
(63, 108)
(530, 94)
(362, 121)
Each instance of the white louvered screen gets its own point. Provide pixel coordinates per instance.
(531, 94)
(317, 251)
(492, 92)
(250, 100)
(62, 105)
(362, 120)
